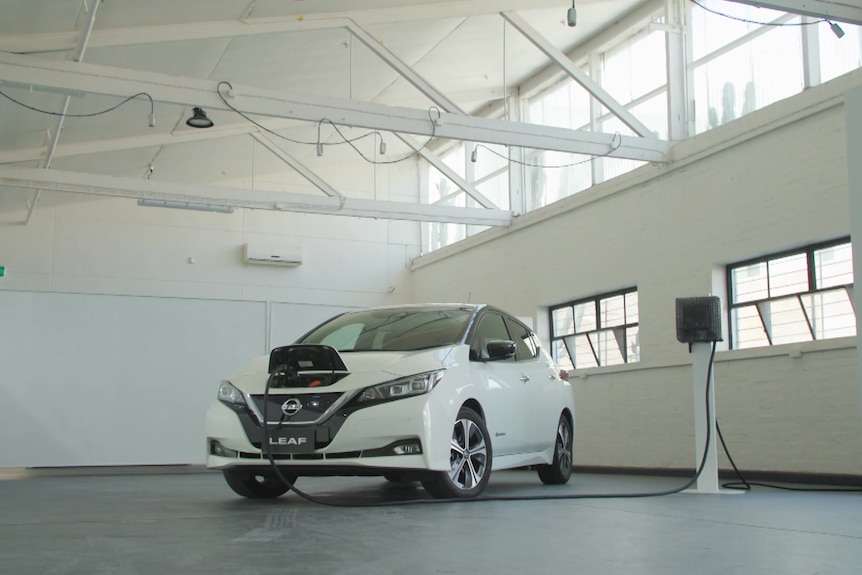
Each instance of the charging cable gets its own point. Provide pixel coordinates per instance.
(745, 485)
(335, 503)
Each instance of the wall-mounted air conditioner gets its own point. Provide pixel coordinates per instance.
(290, 256)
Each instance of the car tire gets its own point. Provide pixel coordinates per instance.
(263, 484)
(470, 457)
(560, 470)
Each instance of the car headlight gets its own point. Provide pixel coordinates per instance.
(400, 388)
(230, 395)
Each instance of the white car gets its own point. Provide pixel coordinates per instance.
(438, 393)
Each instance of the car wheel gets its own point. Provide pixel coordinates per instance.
(559, 471)
(263, 484)
(470, 458)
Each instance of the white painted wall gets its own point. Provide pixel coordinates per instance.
(114, 246)
(853, 112)
(776, 179)
(113, 344)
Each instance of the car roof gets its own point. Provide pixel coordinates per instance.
(419, 306)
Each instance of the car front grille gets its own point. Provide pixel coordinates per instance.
(311, 406)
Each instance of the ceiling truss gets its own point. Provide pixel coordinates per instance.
(849, 11)
(446, 120)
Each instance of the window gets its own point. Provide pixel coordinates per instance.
(796, 296)
(393, 329)
(525, 341)
(491, 328)
(596, 332)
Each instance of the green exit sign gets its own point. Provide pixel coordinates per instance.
(2, 271)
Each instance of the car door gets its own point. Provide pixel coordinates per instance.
(539, 389)
(501, 387)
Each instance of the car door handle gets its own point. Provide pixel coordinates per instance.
(524, 378)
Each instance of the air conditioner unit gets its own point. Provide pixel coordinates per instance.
(290, 256)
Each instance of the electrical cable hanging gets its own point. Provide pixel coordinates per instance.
(152, 117)
(273, 132)
(319, 144)
(836, 29)
(616, 142)
(382, 149)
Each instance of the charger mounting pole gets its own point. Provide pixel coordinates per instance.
(698, 323)
(702, 378)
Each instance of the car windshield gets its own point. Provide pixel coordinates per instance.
(394, 329)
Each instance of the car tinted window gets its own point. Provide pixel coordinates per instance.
(523, 338)
(393, 329)
(490, 328)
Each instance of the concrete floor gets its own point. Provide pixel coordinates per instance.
(191, 523)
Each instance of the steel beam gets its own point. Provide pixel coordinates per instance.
(677, 69)
(404, 70)
(108, 186)
(576, 73)
(306, 18)
(451, 174)
(628, 24)
(810, 54)
(145, 141)
(300, 168)
(120, 82)
(61, 120)
(849, 11)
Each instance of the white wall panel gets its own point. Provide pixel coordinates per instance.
(116, 380)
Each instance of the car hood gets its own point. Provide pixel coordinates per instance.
(365, 367)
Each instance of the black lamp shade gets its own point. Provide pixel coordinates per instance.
(199, 119)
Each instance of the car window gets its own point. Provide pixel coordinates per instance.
(491, 327)
(524, 344)
(394, 329)
(344, 337)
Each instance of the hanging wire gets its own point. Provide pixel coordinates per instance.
(89, 115)
(413, 154)
(760, 23)
(616, 142)
(248, 118)
(434, 115)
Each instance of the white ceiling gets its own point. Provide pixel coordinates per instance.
(462, 48)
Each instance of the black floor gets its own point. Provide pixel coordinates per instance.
(192, 523)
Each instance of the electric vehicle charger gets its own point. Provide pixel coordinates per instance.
(636, 495)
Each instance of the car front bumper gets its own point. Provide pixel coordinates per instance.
(362, 442)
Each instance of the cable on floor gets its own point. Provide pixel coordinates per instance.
(637, 495)
(744, 485)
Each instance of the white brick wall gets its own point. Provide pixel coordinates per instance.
(774, 180)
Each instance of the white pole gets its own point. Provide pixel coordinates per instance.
(702, 377)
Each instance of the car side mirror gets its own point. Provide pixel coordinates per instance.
(498, 350)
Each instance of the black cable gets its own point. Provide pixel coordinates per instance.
(67, 115)
(745, 485)
(345, 139)
(759, 23)
(267, 130)
(616, 142)
(385, 162)
(332, 503)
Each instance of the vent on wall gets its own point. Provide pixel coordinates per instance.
(290, 256)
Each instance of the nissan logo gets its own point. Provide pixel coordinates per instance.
(291, 406)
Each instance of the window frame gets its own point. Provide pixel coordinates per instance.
(813, 289)
(596, 301)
